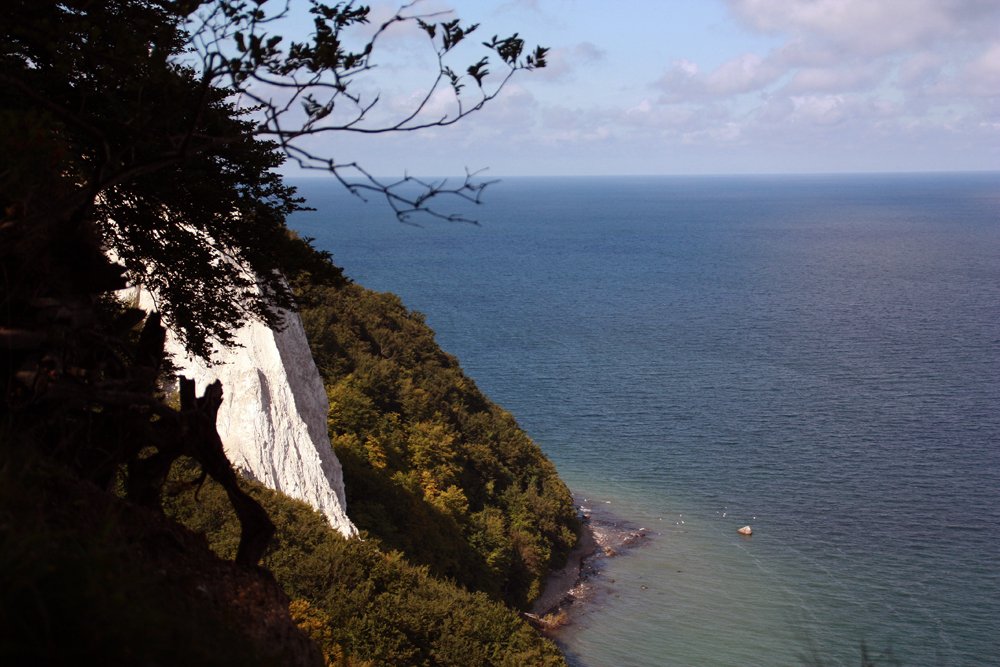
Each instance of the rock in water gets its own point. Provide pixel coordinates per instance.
(745, 530)
(274, 410)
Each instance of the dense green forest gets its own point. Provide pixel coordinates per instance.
(433, 468)
(462, 517)
(364, 604)
(136, 129)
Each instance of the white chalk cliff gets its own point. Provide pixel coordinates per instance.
(273, 419)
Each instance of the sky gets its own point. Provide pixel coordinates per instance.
(650, 87)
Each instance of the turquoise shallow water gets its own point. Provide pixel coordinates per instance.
(818, 357)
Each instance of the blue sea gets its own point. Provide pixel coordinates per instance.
(817, 357)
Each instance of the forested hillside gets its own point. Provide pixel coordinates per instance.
(135, 129)
(364, 605)
(461, 513)
(432, 467)
(462, 518)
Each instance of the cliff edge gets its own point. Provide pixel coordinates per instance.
(273, 419)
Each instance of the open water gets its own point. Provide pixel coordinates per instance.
(817, 357)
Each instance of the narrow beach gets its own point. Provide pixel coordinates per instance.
(603, 536)
(561, 583)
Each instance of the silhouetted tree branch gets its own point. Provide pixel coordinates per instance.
(165, 118)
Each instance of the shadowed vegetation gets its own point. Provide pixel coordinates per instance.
(362, 604)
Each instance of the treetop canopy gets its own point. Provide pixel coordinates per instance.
(159, 123)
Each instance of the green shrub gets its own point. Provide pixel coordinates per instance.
(361, 603)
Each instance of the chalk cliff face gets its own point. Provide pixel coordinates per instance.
(273, 416)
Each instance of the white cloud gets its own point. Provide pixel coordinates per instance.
(920, 67)
(645, 114)
(821, 110)
(563, 125)
(725, 133)
(809, 84)
(686, 67)
(400, 35)
(525, 4)
(440, 104)
(798, 51)
(825, 110)
(879, 67)
(917, 46)
(981, 76)
(561, 118)
(562, 63)
(682, 81)
(642, 108)
(837, 79)
(743, 74)
(869, 27)
(514, 107)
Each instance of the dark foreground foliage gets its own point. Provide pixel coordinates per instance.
(157, 123)
(88, 579)
(120, 132)
(363, 605)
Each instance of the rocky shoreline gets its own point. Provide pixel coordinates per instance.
(560, 585)
(603, 537)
